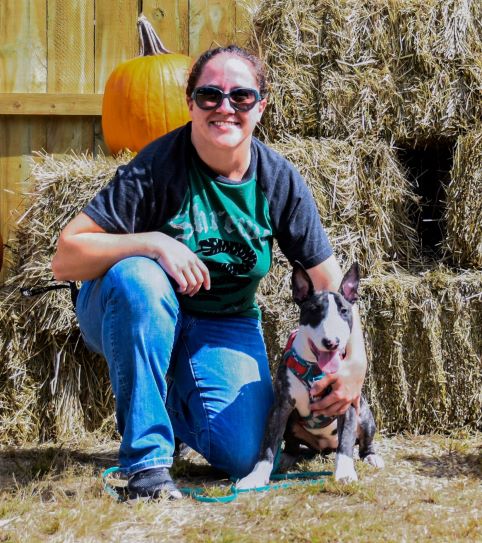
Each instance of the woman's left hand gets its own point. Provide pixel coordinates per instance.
(346, 387)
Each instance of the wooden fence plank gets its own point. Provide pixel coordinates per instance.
(211, 23)
(70, 46)
(242, 29)
(70, 34)
(50, 104)
(23, 68)
(23, 46)
(116, 40)
(170, 19)
(116, 36)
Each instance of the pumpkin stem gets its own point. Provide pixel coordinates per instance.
(150, 42)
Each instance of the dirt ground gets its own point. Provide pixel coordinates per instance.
(430, 490)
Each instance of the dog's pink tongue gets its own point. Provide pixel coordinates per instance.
(329, 361)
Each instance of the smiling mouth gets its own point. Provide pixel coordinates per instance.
(328, 361)
(224, 123)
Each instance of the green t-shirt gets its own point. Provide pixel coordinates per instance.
(227, 224)
(166, 187)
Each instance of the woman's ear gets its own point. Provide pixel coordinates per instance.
(190, 103)
(261, 105)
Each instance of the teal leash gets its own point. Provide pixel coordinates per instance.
(199, 494)
(119, 493)
(290, 480)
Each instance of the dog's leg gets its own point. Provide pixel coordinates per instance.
(291, 449)
(366, 432)
(275, 428)
(344, 465)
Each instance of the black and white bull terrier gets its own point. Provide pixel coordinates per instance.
(317, 348)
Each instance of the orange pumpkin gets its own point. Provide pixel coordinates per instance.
(144, 97)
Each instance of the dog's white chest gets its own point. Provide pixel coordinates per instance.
(299, 393)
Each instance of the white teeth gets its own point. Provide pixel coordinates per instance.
(224, 123)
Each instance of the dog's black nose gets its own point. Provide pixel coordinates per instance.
(331, 344)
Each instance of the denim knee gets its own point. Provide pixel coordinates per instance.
(141, 283)
(236, 455)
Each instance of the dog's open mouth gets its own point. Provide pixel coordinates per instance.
(328, 361)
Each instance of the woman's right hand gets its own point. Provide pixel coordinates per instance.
(179, 262)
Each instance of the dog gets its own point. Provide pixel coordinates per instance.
(317, 348)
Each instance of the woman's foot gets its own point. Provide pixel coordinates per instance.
(152, 484)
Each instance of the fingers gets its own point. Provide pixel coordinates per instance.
(188, 271)
(193, 277)
(319, 386)
(338, 401)
(206, 278)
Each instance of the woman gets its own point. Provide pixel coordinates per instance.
(171, 253)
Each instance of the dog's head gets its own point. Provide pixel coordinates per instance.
(326, 317)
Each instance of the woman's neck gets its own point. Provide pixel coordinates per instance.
(232, 164)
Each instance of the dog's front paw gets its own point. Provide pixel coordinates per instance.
(375, 460)
(345, 469)
(257, 478)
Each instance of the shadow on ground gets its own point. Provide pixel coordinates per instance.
(20, 466)
(448, 465)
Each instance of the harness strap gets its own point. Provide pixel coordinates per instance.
(307, 373)
(303, 369)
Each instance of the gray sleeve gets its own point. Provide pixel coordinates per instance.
(300, 235)
(147, 190)
(296, 221)
(123, 206)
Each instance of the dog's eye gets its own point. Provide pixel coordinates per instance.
(344, 311)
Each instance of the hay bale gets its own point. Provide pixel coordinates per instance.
(423, 341)
(51, 386)
(358, 101)
(424, 329)
(363, 196)
(288, 35)
(402, 69)
(464, 202)
(423, 333)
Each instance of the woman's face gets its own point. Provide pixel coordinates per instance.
(224, 127)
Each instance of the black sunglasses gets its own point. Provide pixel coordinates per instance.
(211, 98)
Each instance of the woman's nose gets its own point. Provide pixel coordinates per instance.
(225, 106)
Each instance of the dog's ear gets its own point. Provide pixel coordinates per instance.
(301, 284)
(349, 284)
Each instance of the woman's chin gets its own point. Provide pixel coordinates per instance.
(228, 140)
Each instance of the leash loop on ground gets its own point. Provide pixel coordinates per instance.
(199, 495)
(287, 480)
(114, 492)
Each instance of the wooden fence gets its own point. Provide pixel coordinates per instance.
(55, 57)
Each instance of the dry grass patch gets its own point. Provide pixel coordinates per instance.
(429, 491)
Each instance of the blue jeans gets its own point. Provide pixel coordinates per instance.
(204, 380)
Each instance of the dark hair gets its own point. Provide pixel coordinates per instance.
(235, 50)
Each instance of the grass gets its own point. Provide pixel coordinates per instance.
(430, 490)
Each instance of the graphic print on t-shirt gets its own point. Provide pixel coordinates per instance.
(228, 226)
